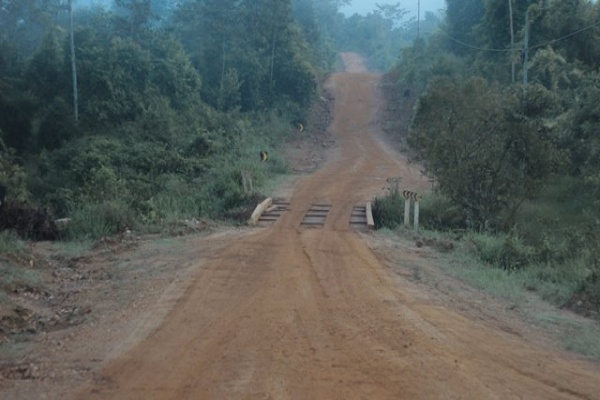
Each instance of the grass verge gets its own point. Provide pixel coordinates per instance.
(535, 293)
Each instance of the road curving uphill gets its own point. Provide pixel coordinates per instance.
(308, 312)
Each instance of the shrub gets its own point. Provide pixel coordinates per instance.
(438, 212)
(388, 211)
(176, 199)
(485, 155)
(504, 251)
(27, 221)
(9, 242)
(589, 289)
(97, 220)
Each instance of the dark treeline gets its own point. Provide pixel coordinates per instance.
(174, 100)
(507, 124)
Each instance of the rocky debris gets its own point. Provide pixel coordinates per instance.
(52, 296)
(19, 372)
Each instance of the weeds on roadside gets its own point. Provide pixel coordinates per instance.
(9, 242)
(552, 250)
(12, 276)
(388, 211)
(94, 221)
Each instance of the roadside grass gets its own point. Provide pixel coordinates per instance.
(556, 283)
(12, 276)
(271, 185)
(529, 292)
(576, 334)
(551, 250)
(548, 261)
(490, 280)
(9, 242)
(74, 248)
(584, 339)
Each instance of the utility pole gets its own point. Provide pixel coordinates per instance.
(418, 18)
(512, 42)
(73, 62)
(526, 53)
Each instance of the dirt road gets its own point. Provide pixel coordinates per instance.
(296, 313)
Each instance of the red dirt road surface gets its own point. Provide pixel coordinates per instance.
(290, 312)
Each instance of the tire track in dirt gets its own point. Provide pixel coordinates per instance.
(292, 313)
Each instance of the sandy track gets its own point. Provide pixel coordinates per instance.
(293, 313)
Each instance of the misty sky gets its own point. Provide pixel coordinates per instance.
(366, 6)
(358, 6)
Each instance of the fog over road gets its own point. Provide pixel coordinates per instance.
(294, 313)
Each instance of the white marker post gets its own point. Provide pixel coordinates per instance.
(408, 197)
(417, 214)
(406, 212)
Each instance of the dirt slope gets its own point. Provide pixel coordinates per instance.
(296, 313)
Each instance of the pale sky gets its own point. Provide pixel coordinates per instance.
(366, 6)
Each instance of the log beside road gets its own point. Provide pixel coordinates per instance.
(259, 210)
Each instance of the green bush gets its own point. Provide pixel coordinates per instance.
(388, 211)
(557, 282)
(177, 199)
(590, 287)
(97, 220)
(438, 212)
(504, 251)
(13, 276)
(9, 242)
(486, 157)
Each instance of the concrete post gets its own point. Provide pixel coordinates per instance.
(416, 215)
(407, 212)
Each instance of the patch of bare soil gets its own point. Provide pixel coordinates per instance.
(84, 308)
(308, 149)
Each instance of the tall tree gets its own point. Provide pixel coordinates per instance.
(462, 18)
(135, 15)
(23, 25)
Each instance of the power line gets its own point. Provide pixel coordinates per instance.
(566, 36)
(531, 47)
(474, 47)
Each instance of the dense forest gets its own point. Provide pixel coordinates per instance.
(145, 111)
(506, 123)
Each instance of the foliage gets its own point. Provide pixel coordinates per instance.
(504, 251)
(516, 162)
(12, 175)
(255, 48)
(439, 213)
(484, 154)
(97, 220)
(383, 34)
(388, 211)
(175, 99)
(10, 243)
(462, 18)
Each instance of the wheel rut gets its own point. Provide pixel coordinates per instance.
(291, 312)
